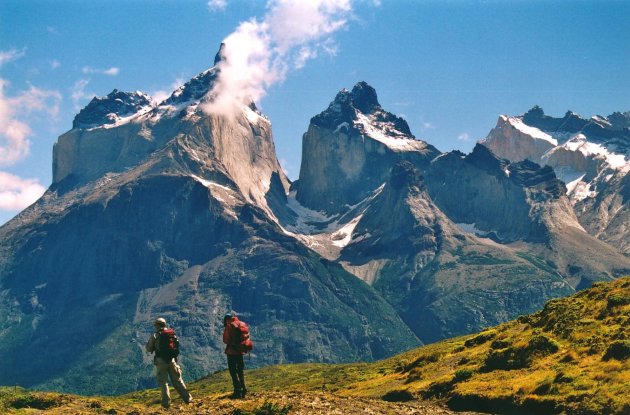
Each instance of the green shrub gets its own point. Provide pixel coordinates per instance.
(37, 401)
(544, 345)
(619, 350)
(398, 396)
(480, 339)
(462, 375)
(617, 300)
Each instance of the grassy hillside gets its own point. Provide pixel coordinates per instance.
(571, 357)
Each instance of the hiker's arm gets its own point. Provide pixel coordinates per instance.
(150, 346)
(226, 335)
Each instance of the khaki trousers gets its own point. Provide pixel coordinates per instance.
(165, 370)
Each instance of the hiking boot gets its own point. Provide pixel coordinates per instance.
(236, 394)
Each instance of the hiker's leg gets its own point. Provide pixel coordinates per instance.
(161, 374)
(232, 367)
(240, 367)
(175, 372)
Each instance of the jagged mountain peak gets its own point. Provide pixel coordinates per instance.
(195, 89)
(111, 108)
(360, 109)
(220, 56)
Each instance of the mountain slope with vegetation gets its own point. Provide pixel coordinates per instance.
(571, 357)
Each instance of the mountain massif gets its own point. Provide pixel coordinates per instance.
(383, 243)
(589, 155)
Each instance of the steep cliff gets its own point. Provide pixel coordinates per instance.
(366, 141)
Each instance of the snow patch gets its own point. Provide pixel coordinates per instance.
(343, 236)
(392, 138)
(305, 216)
(471, 228)
(533, 132)
(581, 144)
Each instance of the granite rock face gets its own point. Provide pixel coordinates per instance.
(592, 157)
(350, 148)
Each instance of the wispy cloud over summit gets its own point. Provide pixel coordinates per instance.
(260, 53)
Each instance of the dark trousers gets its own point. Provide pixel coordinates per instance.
(236, 366)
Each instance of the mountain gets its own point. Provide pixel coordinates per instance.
(592, 157)
(522, 206)
(159, 209)
(571, 357)
(349, 150)
(455, 242)
(169, 209)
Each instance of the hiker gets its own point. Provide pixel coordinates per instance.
(232, 337)
(165, 361)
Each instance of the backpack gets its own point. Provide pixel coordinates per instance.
(242, 342)
(168, 344)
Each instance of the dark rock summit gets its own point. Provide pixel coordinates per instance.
(361, 100)
(109, 109)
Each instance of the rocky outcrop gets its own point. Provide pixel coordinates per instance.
(350, 148)
(111, 108)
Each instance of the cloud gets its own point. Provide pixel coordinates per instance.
(428, 126)
(463, 137)
(160, 95)
(11, 55)
(78, 94)
(260, 53)
(54, 64)
(52, 30)
(17, 193)
(14, 129)
(113, 71)
(217, 5)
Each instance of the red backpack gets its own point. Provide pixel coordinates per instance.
(168, 344)
(242, 342)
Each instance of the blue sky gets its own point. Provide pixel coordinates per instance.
(450, 68)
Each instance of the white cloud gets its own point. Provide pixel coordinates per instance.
(78, 94)
(217, 5)
(54, 64)
(52, 30)
(428, 126)
(11, 55)
(17, 193)
(113, 71)
(259, 54)
(463, 137)
(160, 95)
(14, 129)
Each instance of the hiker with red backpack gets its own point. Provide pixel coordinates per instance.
(165, 344)
(236, 338)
